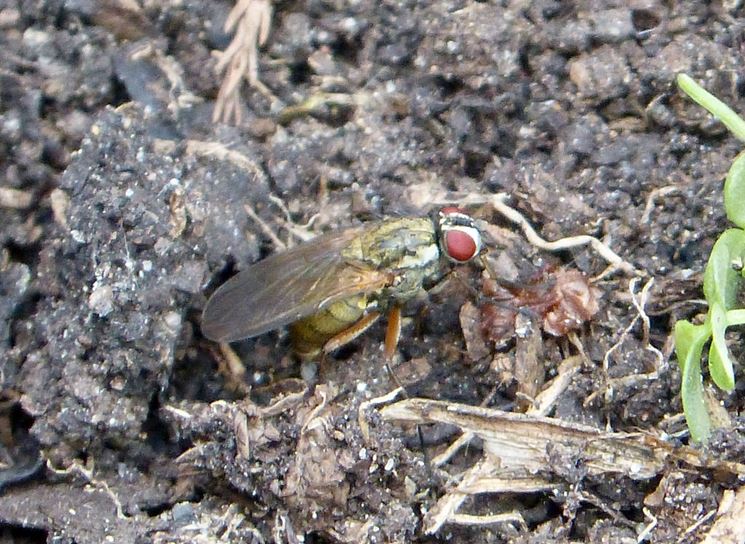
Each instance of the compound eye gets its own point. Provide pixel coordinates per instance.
(459, 237)
(461, 244)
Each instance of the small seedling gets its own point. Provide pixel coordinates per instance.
(722, 280)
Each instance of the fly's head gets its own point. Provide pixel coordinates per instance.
(459, 238)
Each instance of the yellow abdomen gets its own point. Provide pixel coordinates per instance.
(311, 333)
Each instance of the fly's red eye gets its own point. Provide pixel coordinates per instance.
(460, 239)
(461, 245)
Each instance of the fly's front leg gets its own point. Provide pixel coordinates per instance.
(441, 283)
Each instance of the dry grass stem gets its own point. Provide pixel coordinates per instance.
(463, 440)
(454, 447)
(365, 406)
(553, 390)
(644, 534)
(541, 405)
(694, 527)
(220, 151)
(249, 20)
(313, 419)
(289, 401)
(520, 441)
(476, 480)
(469, 519)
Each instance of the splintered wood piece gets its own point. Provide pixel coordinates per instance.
(523, 441)
(522, 454)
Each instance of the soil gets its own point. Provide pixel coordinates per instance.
(124, 206)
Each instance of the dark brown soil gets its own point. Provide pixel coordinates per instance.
(121, 421)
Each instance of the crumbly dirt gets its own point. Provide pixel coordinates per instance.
(124, 206)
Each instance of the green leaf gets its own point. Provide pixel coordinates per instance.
(713, 105)
(720, 365)
(734, 192)
(721, 280)
(721, 284)
(689, 344)
(736, 317)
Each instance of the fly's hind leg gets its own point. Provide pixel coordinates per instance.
(347, 335)
(316, 358)
(392, 334)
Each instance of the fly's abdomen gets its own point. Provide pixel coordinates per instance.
(311, 333)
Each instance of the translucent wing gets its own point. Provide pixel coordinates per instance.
(288, 286)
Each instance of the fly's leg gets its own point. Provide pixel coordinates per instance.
(349, 334)
(310, 370)
(392, 333)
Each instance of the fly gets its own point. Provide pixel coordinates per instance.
(332, 288)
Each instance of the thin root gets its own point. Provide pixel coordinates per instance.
(652, 200)
(265, 228)
(639, 302)
(365, 406)
(87, 473)
(499, 203)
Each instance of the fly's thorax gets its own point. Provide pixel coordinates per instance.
(406, 242)
(405, 247)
